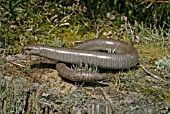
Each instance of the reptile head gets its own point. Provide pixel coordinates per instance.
(32, 49)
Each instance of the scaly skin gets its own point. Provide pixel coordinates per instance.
(125, 56)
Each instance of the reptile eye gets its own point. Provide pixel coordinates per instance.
(26, 50)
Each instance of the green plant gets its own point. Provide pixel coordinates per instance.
(150, 13)
(10, 5)
(163, 64)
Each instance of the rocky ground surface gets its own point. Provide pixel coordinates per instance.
(32, 85)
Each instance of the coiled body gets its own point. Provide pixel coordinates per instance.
(124, 57)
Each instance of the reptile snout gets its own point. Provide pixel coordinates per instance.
(26, 50)
(32, 49)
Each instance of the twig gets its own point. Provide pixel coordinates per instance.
(81, 18)
(62, 20)
(76, 42)
(98, 32)
(148, 39)
(17, 64)
(118, 82)
(148, 6)
(106, 97)
(153, 75)
(161, 1)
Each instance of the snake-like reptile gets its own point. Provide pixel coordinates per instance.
(125, 56)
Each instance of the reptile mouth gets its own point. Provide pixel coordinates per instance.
(26, 50)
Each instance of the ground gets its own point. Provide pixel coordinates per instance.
(35, 86)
